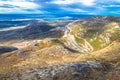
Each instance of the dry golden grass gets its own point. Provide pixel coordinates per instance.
(56, 54)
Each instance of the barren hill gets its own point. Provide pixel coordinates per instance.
(84, 49)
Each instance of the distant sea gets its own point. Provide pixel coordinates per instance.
(15, 20)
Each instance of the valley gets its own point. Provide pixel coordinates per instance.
(83, 49)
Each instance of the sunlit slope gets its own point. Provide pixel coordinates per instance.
(98, 35)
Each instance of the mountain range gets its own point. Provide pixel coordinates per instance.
(82, 49)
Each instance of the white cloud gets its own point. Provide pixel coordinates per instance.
(78, 10)
(110, 6)
(21, 4)
(18, 6)
(67, 2)
(16, 10)
(73, 9)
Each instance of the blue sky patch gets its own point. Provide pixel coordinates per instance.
(87, 7)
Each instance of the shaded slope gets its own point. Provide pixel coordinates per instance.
(38, 30)
(5, 49)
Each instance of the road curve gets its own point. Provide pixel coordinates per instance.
(72, 39)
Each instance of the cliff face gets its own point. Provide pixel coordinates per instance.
(86, 49)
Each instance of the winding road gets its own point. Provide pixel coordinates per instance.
(72, 39)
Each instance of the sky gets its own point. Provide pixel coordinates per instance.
(87, 7)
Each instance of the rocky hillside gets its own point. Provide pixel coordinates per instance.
(86, 49)
(32, 31)
(97, 31)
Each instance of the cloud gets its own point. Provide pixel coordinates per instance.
(73, 9)
(21, 4)
(106, 6)
(68, 2)
(18, 6)
(17, 10)
(60, 6)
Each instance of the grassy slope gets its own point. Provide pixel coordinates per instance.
(93, 36)
(54, 55)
